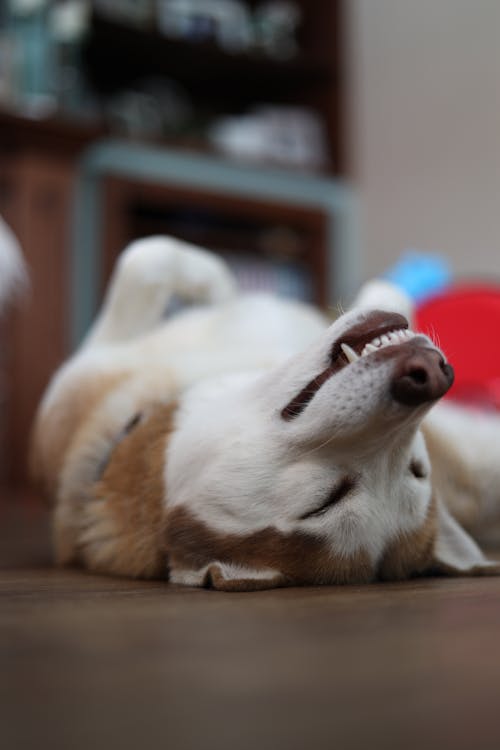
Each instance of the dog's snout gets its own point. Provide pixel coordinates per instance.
(418, 375)
(421, 376)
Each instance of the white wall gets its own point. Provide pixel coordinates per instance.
(425, 129)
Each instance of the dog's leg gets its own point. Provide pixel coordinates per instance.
(463, 445)
(147, 275)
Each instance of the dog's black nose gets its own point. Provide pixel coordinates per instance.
(421, 376)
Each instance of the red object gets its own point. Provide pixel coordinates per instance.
(465, 322)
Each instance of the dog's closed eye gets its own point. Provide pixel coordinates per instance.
(345, 486)
(417, 469)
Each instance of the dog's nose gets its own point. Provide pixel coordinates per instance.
(421, 376)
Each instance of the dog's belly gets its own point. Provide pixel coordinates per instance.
(252, 332)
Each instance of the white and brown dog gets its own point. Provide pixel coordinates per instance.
(247, 444)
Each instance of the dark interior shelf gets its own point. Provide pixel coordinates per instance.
(116, 54)
(214, 82)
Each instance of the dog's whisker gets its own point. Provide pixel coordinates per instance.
(316, 448)
(436, 338)
(340, 308)
(433, 336)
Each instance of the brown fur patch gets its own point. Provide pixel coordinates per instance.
(411, 554)
(124, 525)
(55, 429)
(301, 558)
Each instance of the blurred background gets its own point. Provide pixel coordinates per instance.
(309, 142)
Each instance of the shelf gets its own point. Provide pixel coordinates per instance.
(116, 54)
(61, 135)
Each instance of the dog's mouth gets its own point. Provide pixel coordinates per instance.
(378, 331)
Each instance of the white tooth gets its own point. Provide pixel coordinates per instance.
(349, 353)
(368, 349)
(390, 338)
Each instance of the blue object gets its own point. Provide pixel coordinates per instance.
(419, 274)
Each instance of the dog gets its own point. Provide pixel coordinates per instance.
(249, 443)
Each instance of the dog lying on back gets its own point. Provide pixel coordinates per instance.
(247, 443)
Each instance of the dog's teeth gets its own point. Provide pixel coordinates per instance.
(349, 353)
(390, 338)
(368, 349)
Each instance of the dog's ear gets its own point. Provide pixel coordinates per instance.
(224, 576)
(455, 551)
(380, 294)
(201, 556)
(230, 577)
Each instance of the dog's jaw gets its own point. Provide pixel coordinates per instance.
(365, 335)
(380, 334)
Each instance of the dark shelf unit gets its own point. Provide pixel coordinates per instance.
(116, 56)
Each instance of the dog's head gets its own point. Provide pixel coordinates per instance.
(317, 472)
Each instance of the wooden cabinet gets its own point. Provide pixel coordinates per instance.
(37, 172)
(35, 199)
(40, 162)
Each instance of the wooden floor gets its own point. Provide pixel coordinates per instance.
(91, 662)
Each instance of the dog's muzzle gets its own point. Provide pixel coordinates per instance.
(420, 375)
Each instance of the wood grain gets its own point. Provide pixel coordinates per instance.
(103, 662)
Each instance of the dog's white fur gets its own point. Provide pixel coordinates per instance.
(243, 479)
(12, 268)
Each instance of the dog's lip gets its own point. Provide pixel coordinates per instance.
(376, 323)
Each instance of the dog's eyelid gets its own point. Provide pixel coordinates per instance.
(417, 469)
(343, 488)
